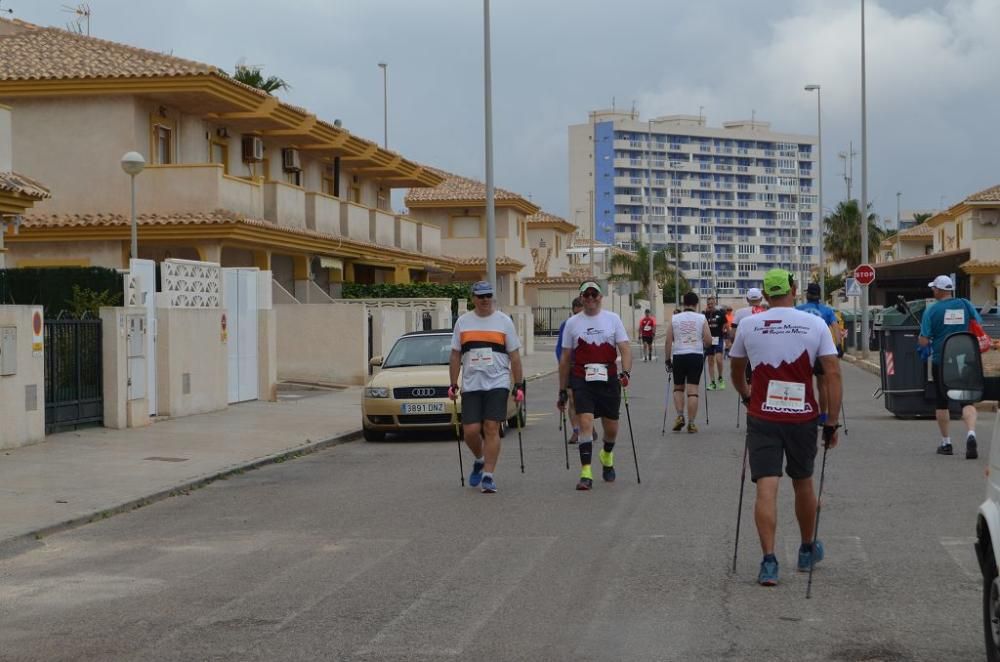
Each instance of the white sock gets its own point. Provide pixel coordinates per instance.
(946, 441)
(487, 474)
(971, 433)
(480, 460)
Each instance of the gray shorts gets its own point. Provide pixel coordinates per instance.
(769, 442)
(478, 406)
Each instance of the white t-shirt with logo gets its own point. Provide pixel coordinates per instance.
(485, 344)
(594, 339)
(782, 345)
(688, 328)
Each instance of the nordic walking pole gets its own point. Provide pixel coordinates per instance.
(706, 392)
(562, 423)
(520, 422)
(819, 506)
(739, 508)
(628, 417)
(843, 414)
(739, 403)
(666, 405)
(458, 439)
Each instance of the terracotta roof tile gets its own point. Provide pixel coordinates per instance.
(991, 194)
(502, 260)
(51, 54)
(917, 231)
(456, 188)
(982, 264)
(12, 182)
(565, 279)
(545, 217)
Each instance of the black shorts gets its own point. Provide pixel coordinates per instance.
(769, 441)
(687, 368)
(941, 400)
(647, 340)
(716, 347)
(602, 399)
(478, 406)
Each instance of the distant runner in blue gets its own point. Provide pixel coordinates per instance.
(949, 314)
(814, 306)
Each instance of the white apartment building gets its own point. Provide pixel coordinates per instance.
(737, 200)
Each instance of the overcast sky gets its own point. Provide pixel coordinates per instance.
(933, 93)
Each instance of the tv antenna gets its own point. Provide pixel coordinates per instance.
(82, 20)
(6, 10)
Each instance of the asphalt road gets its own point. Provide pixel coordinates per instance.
(373, 551)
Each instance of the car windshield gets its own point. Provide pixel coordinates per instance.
(419, 350)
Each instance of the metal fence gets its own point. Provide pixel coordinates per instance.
(547, 320)
(74, 386)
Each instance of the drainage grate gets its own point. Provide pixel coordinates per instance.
(166, 459)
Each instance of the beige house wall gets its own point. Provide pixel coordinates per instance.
(322, 342)
(22, 422)
(190, 346)
(88, 254)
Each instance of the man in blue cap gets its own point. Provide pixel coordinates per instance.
(486, 349)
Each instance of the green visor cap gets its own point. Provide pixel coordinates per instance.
(777, 282)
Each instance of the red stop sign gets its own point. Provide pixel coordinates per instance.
(864, 273)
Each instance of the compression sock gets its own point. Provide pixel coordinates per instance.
(586, 450)
(609, 446)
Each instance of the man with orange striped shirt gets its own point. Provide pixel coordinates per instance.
(486, 349)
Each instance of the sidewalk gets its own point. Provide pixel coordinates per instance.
(76, 477)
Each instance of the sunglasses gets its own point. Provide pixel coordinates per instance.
(591, 294)
(484, 296)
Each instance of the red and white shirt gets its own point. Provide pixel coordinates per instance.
(782, 345)
(594, 339)
(647, 326)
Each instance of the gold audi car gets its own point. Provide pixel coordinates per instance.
(409, 391)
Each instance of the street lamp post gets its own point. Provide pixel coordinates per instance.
(133, 163)
(384, 66)
(819, 159)
(864, 189)
(899, 194)
(491, 222)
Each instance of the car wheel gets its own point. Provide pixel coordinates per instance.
(991, 610)
(372, 435)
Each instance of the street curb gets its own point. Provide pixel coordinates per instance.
(868, 366)
(184, 488)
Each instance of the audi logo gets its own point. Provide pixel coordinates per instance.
(423, 392)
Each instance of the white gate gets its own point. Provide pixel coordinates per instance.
(140, 290)
(240, 300)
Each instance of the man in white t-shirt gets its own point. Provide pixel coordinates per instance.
(592, 340)
(687, 336)
(486, 348)
(755, 301)
(782, 345)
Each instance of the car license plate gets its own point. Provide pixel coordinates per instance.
(423, 408)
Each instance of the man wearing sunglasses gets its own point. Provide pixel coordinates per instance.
(592, 342)
(486, 348)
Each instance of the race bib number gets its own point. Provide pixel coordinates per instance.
(595, 372)
(953, 316)
(480, 358)
(785, 396)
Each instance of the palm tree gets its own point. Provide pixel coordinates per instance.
(843, 233)
(921, 217)
(635, 267)
(252, 75)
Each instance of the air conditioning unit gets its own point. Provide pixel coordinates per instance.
(290, 160)
(253, 149)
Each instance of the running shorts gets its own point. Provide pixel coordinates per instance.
(490, 405)
(769, 442)
(648, 340)
(687, 368)
(716, 346)
(601, 399)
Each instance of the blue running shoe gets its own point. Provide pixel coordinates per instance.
(810, 555)
(489, 485)
(768, 575)
(477, 474)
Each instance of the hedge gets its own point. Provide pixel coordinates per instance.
(65, 291)
(407, 290)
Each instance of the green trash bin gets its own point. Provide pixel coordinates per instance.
(905, 386)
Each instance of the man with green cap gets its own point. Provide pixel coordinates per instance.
(592, 342)
(782, 346)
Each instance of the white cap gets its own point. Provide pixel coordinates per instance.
(754, 294)
(942, 283)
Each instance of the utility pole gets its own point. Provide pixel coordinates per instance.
(864, 188)
(384, 66)
(898, 195)
(491, 222)
(592, 237)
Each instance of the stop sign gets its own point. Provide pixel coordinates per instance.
(865, 273)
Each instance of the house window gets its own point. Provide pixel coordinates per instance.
(958, 235)
(219, 153)
(941, 238)
(294, 177)
(558, 244)
(356, 194)
(163, 143)
(465, 227)
(328, 184)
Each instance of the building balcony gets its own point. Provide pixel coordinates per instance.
(322, 212)
(196, 187)
(381, 227)
(285, 204)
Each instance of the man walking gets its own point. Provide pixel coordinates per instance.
(814, 306)
(782, 345)
(647, 331)
(948, 315)
(755, 304)
(687, 337)
(592, 342)
(717, 327)
(486, 348)
(573, 419)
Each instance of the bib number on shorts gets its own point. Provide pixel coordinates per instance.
(785, 396)
(953, 316)
(480, 358)
(595, 372)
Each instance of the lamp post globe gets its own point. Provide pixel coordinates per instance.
(133, 163)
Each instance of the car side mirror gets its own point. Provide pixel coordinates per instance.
(962, 368)
(375, 362)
